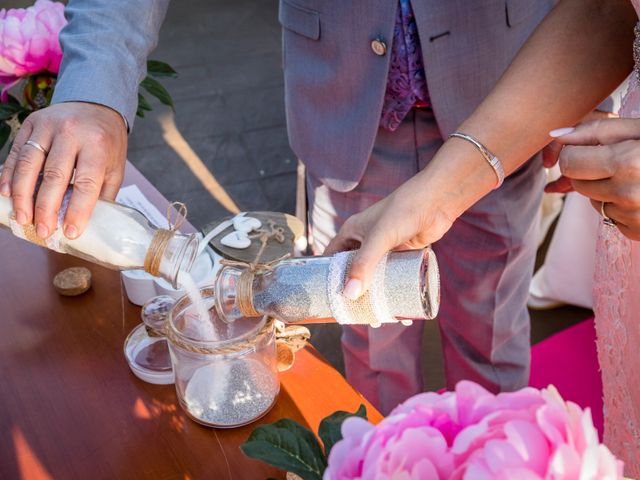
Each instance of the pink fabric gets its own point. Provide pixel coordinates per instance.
(617, 309)
(569, 361)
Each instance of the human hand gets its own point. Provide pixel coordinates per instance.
(551, 152)
(88, 137)
(407, 219)
(601, 160)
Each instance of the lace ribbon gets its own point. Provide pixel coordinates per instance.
(371, 308)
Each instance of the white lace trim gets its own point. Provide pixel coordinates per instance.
(370, 309)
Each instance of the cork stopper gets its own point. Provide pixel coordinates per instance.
(72, 281)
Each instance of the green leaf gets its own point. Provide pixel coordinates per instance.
(156, 68)
(154, 87)
(5, 132)
(143, 106)
(329, 430)
(289, 446)
(8, 110)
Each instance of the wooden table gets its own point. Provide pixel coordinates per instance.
(71, 408)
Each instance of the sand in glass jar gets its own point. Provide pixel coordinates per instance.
(226, 375)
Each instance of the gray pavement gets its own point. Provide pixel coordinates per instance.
(229, 109)
(230, 118)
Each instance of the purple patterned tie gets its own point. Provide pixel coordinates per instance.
(406, 83)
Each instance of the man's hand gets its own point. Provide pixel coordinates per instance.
(90, 138)
(601, 160)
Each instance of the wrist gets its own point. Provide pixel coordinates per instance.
(457, 177)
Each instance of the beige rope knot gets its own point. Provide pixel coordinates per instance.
(162, 237)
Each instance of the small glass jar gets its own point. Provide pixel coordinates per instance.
(225, 374)
(146, 348)
(405, 287)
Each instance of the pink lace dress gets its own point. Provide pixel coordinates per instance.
(617, 309)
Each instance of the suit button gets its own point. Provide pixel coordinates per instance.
(379, 47)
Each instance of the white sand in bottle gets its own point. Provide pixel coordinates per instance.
(112, 237)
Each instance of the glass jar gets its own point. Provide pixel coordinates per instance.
(225, 374)
(406, 287)
(117, 237)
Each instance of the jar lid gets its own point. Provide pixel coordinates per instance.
(146, 348)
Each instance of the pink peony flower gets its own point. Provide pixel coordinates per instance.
(29, 40)
(471, 434)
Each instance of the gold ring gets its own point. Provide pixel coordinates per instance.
(37, 146)
(606, 219)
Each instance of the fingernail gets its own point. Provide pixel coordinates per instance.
(70, 232)
(42, 231)
(21, 218)
(353, 289)
(559, 132)
(5, 190)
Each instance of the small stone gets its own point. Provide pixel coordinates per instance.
(72, 281)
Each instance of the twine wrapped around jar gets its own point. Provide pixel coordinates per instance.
(161, 239)
(250, 270)
(289, 339)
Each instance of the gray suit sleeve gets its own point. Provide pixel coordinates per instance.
(105, 47)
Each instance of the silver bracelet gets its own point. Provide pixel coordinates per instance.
(491, 159)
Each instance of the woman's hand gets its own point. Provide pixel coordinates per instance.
(409, 218)
(601, 160)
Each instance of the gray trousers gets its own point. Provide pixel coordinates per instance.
(486, 262)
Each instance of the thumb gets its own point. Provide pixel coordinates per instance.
(598, 132)
(364, 263)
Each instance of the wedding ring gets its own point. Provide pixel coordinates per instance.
(37, 146)
(605, 219)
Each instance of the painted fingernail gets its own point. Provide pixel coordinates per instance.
(21, 218)
(559, 132)
(42, 231)
(5, 190)
(71, 232)
(353, 289)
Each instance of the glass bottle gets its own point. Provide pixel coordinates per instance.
(406, 287)
(117, 237)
